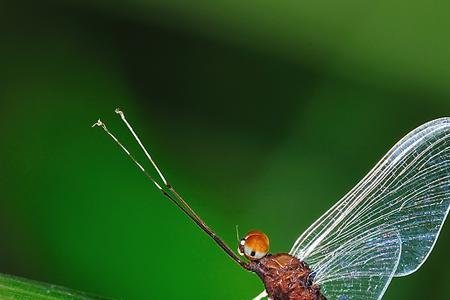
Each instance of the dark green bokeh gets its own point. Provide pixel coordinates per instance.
(262, 114)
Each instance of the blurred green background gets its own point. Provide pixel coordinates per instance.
(262, 114)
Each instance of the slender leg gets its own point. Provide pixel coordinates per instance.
(180, 203)
(163, 178)
(99, 123)
(260, 296)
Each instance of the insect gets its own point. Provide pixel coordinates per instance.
(385, 227)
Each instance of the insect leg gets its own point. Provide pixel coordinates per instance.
(261, 296)
(180, 203)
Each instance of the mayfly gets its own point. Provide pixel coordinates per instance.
(385, 227)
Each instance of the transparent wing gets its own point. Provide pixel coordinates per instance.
(360, 270)
(406, 194)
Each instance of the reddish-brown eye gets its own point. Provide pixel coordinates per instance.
(255, 245)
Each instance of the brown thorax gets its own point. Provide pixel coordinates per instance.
(286, 277)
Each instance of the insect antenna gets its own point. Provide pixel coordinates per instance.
(238, 237)
(171, 194)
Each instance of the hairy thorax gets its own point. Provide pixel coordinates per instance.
(286, 277)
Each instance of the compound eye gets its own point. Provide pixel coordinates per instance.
(256, 245)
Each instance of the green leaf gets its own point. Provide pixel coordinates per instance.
(12, 287)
